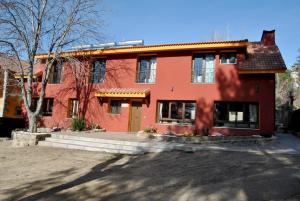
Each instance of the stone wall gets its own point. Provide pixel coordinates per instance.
(22, 138)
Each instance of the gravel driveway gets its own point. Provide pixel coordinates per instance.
(39, 173)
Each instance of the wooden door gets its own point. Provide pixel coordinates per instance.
(135, 117)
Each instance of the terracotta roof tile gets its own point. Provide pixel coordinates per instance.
(260, 57)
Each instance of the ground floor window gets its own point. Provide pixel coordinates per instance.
(73, 108)
(236, 114)
(115, 107)
(47, 106)
(176, 112)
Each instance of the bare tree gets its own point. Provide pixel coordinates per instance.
(32, 26)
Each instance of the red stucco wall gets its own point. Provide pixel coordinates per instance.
(173, 82)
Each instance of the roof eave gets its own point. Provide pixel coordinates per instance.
(151, 49)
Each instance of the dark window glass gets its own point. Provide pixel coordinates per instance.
(47, 107)
(73, 108)
(115, 107)
(146, 72)
(236, 114)
(203, 69)
(176, 111)
(99, 68)
(56, 71)
(228, 58)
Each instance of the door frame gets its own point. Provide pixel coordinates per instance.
(130, 113)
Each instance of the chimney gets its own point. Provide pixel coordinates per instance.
(268, 38)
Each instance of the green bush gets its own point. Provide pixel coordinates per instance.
(78, 124)
(150, 129)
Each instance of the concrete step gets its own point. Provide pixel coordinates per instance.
(111, 146)
(152, 144)
(88, 148)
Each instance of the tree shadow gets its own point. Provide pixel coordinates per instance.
(210, 175)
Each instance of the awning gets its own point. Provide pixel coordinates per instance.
(122, 93)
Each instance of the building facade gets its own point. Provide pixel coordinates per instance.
(225, 87)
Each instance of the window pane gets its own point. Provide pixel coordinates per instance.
(115, 106)
(57, 68)
(164, 107)
(99, 69)
(197, 69)
(147, 70)
(176, 110)
(209, 69)
(190, 111)
(223, 58)
(232, 58)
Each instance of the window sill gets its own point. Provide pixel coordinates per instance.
(145, 83)
(202, 83)
(175, 124)
(256, 129)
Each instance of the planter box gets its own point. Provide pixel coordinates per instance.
(22, 138)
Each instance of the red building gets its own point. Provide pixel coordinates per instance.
(221, 86)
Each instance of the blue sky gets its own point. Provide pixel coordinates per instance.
(171, 21)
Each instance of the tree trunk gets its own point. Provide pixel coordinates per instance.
(5, 90)
(32, 123)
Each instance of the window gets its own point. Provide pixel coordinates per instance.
(203, 69)
(55, 73)
(146, 72)
(236, 114)
(47, 106)
(115, 107)
(176, 112)
(228, 58)
(73, 108)
(98, 73)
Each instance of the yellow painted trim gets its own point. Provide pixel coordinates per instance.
(18, 76)
(261, 71)
(151, 49)
(122, 94)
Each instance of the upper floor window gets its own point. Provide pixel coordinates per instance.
(146, 72)
(228, 58)
(203, 68)
(55, 73)
(73, 108)
(98, 73)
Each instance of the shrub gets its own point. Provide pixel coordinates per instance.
(78, 124)
(94, 126)
(150, 129)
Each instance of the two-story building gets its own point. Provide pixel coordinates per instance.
(220, 86)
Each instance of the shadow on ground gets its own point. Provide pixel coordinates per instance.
(177, 176)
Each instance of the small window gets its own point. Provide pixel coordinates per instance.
(228, 58)
(47, 107)
(115, 107)
(203, 69)
(236, 114)
(55, 73)
(98, 73)
(176, 112)
(146, 72)
(73, 108)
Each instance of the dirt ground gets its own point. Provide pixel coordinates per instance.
(39, 173)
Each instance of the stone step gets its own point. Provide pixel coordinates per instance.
(97, 144)
(157, 145)
(88, 148)
(90, 139)
(111, 146)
